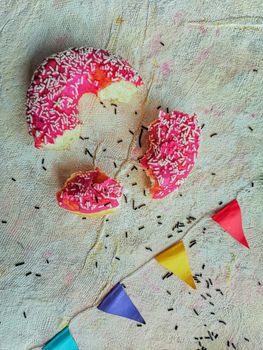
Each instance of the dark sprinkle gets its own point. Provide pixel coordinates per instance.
(47, 261)
(144, 127)
(214, 134)
(255, 70)
(207, 284)
(42, 161)
(135, 112)
(140, 137)
(125, 198)
(159, 216)
(134, 183)
(176, 327)
(220, 203)
(113, 104)
(159, 107)
(169, 236)
(251, 129)
(115, 111)
(134, 167)
(228, 343)
(144, 193)
(161, 43)
(259, 283)
(101, 103)
(126, 234)
(131, 132)
(88, 152)
(213, 174)
(84, 218)
(96, 199)
(140, 228)
(246, 339)
(203, 266)
(167, 110)
(212, 313)
(36, 207)
(192, 243)
(210, 281)
(171, 309)
(209, 295)
(96, 264)
(117, 258)
(141, 205)
(160, 223)
(221, 321)
(166, 275)
(252, 184)
(203, 296)
(196, 312)
(119, 141)
(115, 165)
(139, 325)
(19, 264)
(44, 168)
(13, 178)
(28, 273)
(220, 291)
(107, 235)
(148, 248)
(179, 231)
(133, 204)
(202, 126)
(104, 150)
(24, 314)
(38, 274)
(168, 292)
(233, 346)
(106, 204)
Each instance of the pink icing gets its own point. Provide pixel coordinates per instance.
(89, 192)
(174, 142)
(59, 82)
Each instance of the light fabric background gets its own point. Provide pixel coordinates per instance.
(211, 64)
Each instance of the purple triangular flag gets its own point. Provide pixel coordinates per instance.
(117, 302)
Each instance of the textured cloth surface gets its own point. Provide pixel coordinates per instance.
(195, 56)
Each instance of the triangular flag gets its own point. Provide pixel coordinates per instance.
(62, 341)
(176, 261)
(230, 219)
(117, 302)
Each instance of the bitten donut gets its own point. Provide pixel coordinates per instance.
(90, 193)
(174, 142)
(60, 81)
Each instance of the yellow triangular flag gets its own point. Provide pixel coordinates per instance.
(176, 261)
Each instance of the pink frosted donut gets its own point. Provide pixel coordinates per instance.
(174, 142)
(90, 193)
(60, 81)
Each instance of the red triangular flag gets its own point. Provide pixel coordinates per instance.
(230, 219)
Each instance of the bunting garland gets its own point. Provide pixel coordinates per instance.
(62, 341)
(117, 302)
(176, 261)
(230, 219)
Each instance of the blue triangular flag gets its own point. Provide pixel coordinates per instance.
(117, 302)
(62, 341)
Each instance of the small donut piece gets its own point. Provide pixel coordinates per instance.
(90, 193)
(60, 81)
(174, 142)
